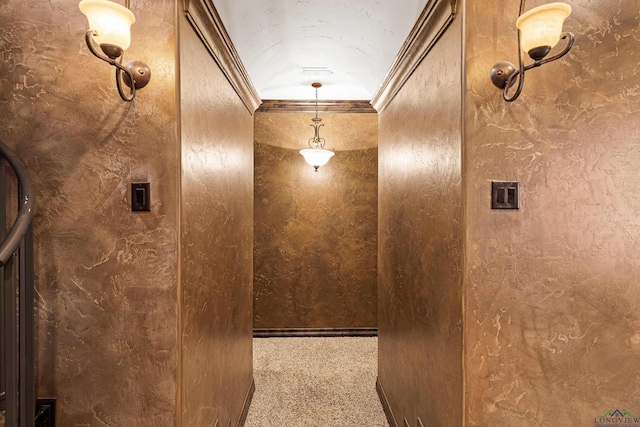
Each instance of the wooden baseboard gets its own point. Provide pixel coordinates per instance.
(385, 404)
(314, 332)
(247, 404)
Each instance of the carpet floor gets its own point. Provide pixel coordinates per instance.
(321, 382)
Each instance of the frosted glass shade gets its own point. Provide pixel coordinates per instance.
(542, 25)
(111, 22)
(317, 157)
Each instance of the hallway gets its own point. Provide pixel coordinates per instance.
(526, 316)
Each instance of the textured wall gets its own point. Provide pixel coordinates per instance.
(315, 232)
(216, 240)
(105, 277)
(420, 250)
(552, 296)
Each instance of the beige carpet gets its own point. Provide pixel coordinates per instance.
(323, 382)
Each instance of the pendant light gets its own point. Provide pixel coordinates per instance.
(316, 155)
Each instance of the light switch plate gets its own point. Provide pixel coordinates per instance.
(505, 195)
(140, 196)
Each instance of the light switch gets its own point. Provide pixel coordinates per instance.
(140, 196)
(505, 195)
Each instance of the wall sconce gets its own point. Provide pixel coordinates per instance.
(539, 30)
(110, 29)
(316, 155)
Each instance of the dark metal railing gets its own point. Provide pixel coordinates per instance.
(17, 366)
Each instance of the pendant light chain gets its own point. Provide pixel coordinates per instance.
(316, 102)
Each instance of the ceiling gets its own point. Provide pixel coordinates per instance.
(357, 40)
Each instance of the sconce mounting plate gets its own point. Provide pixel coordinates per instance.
(141, 74)
(501, 72)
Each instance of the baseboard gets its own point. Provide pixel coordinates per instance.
(314, 332)
(385, 404)
(247, 404)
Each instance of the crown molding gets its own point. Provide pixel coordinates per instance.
(303, 106)
(432, 23)
(206, 22)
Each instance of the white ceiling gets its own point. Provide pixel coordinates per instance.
(356, 39)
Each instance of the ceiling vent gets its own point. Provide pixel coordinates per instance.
(316, 72)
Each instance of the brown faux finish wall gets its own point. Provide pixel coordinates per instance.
(420, 250)
(552, 323)
(315, 232)
(105, 277)
(217, 240)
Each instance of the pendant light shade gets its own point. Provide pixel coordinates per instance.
(542, 25)
(110, 21)
(317, 157)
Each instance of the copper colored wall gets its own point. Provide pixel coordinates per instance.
(315, 232)
(105, 277)
(552, 296)
(420, 250)
(217, 240)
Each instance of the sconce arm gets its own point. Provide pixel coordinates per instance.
(117, 63)
(519, 73)
(563, 36)
(132, 89)
(94, 48)
(521, 70)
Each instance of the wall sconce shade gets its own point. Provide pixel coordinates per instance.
(110, 31)
(539, 30)
(316, 155)
(542, 26)
(110, 21)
